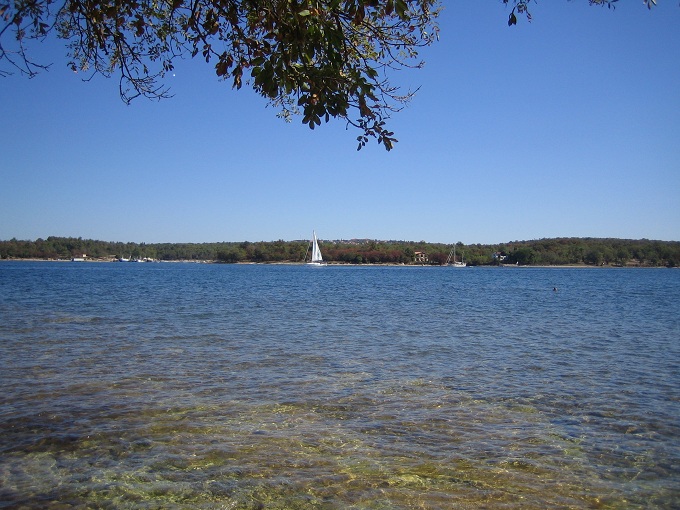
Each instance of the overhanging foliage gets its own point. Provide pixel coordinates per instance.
(316, 59)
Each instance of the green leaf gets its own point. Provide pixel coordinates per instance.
(372, 73)
(221, 68)
(401, 8)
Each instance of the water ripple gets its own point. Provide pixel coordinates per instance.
(193, 386)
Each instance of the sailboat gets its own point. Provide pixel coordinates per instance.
(317, 259)
(455, 263)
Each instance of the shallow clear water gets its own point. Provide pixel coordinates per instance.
(238, 387)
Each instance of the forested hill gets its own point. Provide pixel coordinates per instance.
(561, 251)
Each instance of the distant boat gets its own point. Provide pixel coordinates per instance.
(317, 259)
(452, 256)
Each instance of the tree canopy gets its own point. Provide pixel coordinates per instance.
(317, 59)
(548, 252)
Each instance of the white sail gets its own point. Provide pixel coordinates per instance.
(317, 259)
(316, 253)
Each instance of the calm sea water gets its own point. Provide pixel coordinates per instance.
(284, 387)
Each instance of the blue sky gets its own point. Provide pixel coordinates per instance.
(568, 126)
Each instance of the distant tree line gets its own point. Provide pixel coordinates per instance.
(593, 252)
(545, 252)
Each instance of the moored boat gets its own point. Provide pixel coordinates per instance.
(316, 259)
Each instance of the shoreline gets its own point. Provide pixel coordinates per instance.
(339, 264)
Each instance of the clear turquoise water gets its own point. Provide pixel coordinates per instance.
(243, 387)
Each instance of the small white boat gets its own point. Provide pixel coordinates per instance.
(317, 259)
(451, 260)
